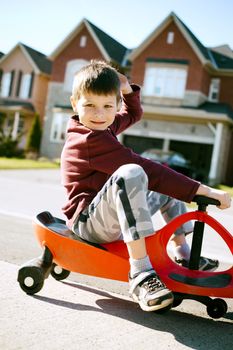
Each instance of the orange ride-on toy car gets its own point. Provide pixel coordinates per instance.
(64, 252)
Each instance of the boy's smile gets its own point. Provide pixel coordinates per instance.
(96, 112)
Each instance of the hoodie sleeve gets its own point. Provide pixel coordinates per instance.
(107, 154)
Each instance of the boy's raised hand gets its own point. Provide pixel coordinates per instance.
(125, 85)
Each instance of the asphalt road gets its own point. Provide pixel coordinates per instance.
(85, 312)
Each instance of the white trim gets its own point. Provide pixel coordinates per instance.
(216, 152)
(70, 70)
(186, 113)
(15, 125)
(98, 42)
(57, 130)
(170, 136)
(190, 41)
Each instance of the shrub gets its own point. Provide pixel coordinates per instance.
(8, 145)
(34, 136)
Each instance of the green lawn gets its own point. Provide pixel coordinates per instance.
(226, 188)
(16, 163)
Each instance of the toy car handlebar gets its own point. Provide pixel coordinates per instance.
(202, 200)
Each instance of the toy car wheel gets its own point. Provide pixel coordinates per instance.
(59, 273)
(217, 308)
(31, 280)
(176, 302)
(164, 310)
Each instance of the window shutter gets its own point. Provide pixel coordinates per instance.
(11, 83)
(1, 74)
(19, 83)
(31, 84)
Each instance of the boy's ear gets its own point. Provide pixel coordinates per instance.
(73, 103)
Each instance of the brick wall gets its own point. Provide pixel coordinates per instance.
(198, 78)
(74, 51)
(226, 90)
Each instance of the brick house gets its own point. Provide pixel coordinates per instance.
(186, 93)
(84, 43)
(24, 77)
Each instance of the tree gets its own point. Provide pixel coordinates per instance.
(34, 136)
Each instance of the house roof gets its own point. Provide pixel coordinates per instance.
(213, 107)
(4, 102)
(110, 48)
(114, 49)
(41, 61)
(37, 59)
(209, 56)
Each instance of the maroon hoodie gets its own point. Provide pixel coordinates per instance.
(90, 157)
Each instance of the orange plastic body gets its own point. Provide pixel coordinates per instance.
(113, 263)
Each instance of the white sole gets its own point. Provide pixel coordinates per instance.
(144, 307)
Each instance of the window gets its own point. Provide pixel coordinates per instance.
(170, 38)
(165, 82)
(83, 41)
(5, 85)
(71, 68)
(10, 122)
(59, 125)
(214, 90)
(25, 86)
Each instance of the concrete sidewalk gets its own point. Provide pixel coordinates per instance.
(70, 315)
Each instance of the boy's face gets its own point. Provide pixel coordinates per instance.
(96, 112)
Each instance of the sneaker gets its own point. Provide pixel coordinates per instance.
(150, 292)
(205, 264)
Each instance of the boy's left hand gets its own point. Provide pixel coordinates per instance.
(223, 197)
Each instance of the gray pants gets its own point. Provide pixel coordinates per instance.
(123, 209)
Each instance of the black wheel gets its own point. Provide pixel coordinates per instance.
(164, 310)
(31, 279)
(217, 308)
(176, 302)
(59, 273)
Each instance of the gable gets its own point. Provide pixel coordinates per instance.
(96, 45)
(73, 51)
(16, 60)
(40, 60)
(180, 49)
(114, 49)
(24, 56)
(183, 39)
(215, 60)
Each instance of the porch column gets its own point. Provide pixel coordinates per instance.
(166, 145)
(213, 174)
(15, 125)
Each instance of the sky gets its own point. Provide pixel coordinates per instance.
(44, 24)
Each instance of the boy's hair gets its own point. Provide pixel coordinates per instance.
(99, 78)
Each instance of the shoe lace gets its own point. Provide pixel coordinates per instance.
(153, 284)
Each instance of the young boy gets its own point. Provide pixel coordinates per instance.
(112, 191)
